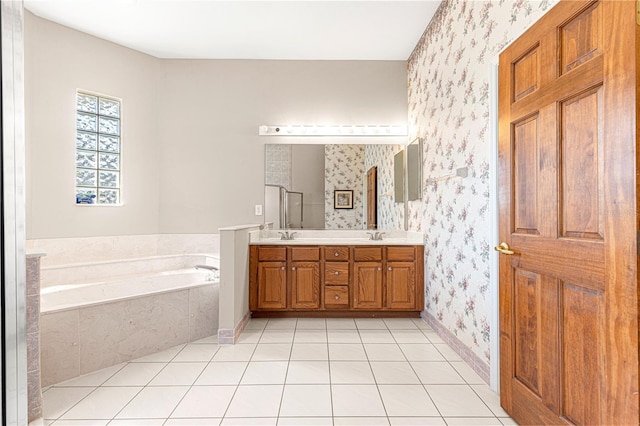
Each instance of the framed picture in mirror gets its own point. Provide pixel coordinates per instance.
(343, 199)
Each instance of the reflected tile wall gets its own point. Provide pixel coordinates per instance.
(34, 393)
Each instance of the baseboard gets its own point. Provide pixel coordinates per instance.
(229, 336)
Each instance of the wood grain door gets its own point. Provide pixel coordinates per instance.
(372, 198)
(272, 285)
(367, 293)
(401, 285)
(568, 268)
(305, 285)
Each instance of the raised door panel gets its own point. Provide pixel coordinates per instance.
(305, 285)
(525, 175)
(272, 285)
(367, 285)
(401, 285)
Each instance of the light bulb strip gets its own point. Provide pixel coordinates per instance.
(350, 130)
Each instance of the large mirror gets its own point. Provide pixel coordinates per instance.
(324, 186)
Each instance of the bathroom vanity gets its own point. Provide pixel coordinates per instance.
(330, 277)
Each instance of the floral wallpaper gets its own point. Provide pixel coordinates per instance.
(448, 93)
(343, 169)
(390, 213)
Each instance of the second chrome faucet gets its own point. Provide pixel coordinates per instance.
(377, 236)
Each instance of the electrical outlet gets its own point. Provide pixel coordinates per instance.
(258, 209)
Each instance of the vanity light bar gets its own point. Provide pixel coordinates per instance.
(307, 130)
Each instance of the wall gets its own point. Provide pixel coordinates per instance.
(390, 214)
(449, 109)
(211, 155)
(307, 176)
(58, 61)
(192, 158)
(343, 170)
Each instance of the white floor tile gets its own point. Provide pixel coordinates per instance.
(210, 339)
(153, 403)
(421, 324)
(384, 352)
(376, 336)
(281, 324)
(205, 401)
(179, 373)
(343, 336)
(351, 372)
(308, 372)
(104, 403)
(240, 352)
(370, 324)
(360, 421)
(409, 336)
(347, 352)
(256, 324)
(356, 400)
(252, 421)
(265, 373)
(277, 336)
(448, 353)
(490, 398)
(309, 352)
(437, 373)
(467, 373)
(193, 422)
(162, 356)
(272, 352)
(222, 373)
(472, 421)
(310, 336)
(196, 353)
(394, 373)
(255, 401)
(400, 324)
(135, 374)
(311, 324)
(407, 400)
(306, 400)
(341, 324)
(305, 421)
(433, 336)
(83, 422)
(420, 352)
(250, 336)
(457, 401)
(56, 401)
(417, 421)
(137, 422)
(92, 379)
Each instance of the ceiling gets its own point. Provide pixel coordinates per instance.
(212, 29)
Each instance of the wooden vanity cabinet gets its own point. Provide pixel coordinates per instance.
(336, 280)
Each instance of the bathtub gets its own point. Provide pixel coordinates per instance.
(101, 313)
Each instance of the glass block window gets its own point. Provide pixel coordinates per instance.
(98, 147)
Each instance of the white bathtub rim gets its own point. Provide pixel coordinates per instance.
(129, 260)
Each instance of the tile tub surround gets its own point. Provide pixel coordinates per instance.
(342, 237)
(319, 372)
(84, 339)
(34, 394)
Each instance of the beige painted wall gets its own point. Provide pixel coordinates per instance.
(307, 176)
(192, 158)
(58, 61)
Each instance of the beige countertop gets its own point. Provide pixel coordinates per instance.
(340, 238)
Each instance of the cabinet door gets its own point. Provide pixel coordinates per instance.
(367, 285)
(401, 285)
(305, 285)
(272, 285)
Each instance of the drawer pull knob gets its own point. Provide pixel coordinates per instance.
(293, 269)
(337, 297)
(390, 268)
(337, 273)
(379, 269)
(336, 254)
(282, 268)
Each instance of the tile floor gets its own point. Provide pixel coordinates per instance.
(287, 372)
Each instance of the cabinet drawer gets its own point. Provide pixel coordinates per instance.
(361, 254)
(336, 273)
(336, 296)
(336, 253)
(305, 253)
(272, 253)
(401, 253)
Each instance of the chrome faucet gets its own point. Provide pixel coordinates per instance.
(377, 236)
(207, 267)
(286, 235)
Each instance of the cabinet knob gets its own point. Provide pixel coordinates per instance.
(336, 254)
(337, 297)
(293, 268)
(282, 268)
(337, 273)
(390, 268)
(379, 269)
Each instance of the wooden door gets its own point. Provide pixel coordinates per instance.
(567, 161)
(372, 198)
(305, 285)
(367, 293)
(401, 285)
(272, 285)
